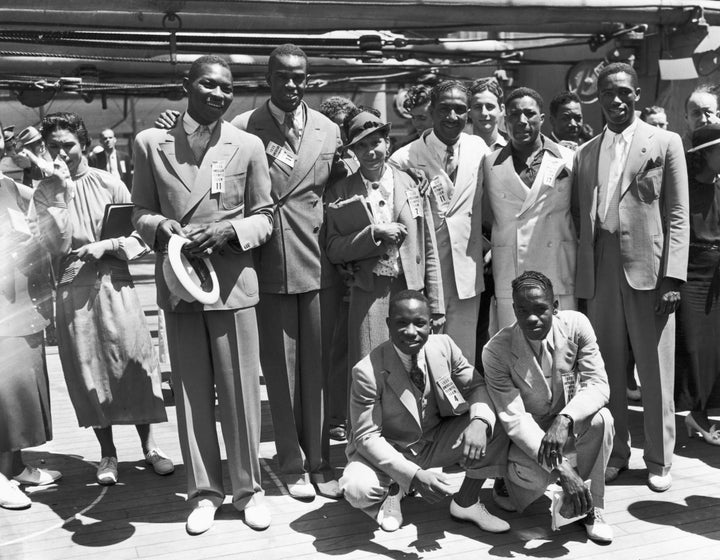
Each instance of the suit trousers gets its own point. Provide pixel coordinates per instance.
(366, 486)
(295, 364)
(216, 352)
(619, 314)
(591, 444)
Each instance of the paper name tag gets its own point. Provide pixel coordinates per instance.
(438, 189)
(550, 168)
(415, 202)
(123, 167)
(569, 385)
(217, 184)
(280, 154)
(451, 391)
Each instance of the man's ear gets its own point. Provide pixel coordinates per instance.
(542, 118)
(267, 78)
(637, 95)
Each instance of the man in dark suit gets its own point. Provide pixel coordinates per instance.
(417, 403)
(112, 160)
(208, 181)
(630, 205)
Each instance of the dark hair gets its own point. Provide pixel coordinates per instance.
(442, 87)
(525, 92)
(205, 60)
(562, 98)
(288, 49)
(652, 110)
(405, 295)
(336, 105)
(532, 279)
(71, 122)
(707, 88)
(486, 84)
(617, 68)
(417, 96)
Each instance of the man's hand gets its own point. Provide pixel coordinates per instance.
(552, 444)
(432, 486)
(165, 231)
(167, 119)
(208, 238)
(437, 321)
(420, 178)
(668, 296)
(578, 500)
(93, 251)
(390, 233)
(473, 440)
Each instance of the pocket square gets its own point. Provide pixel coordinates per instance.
(563, 174)
(653, 164)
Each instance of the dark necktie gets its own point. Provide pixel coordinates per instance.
(416, 374)
(198, 141)
(450, 163)
(291, 132)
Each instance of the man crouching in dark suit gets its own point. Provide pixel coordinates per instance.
(416, 403)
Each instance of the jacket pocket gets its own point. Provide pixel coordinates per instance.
(234, 194)
(649, 185)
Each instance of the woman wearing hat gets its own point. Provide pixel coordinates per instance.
(381, 225)
(698, 365)
(107, 355)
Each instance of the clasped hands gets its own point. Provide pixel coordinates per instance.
(205, 239)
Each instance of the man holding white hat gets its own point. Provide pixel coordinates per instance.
(202, 191)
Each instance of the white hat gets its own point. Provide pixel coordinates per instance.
(190, 278)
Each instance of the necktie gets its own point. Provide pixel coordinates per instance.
(291, 133)
(416, 374)
(611, 216)
(198, 141)
(450, 163)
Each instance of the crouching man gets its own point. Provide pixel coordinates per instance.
(547, 381)
(416, 403)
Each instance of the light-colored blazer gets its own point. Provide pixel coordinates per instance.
(293, 260)
(464, 213)
(531, 229)
(654, 224)
(168, 183)
(418, 252)
(526, 405)
(384, 411)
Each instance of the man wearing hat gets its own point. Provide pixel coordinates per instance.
(110, 159)
(30, 153)
(207, 183)
(630, 206)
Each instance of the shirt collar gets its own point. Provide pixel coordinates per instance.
(547, 146)
(549, 341)
(383, 178)
(439, 146)
(190, 125)
(627, 133)
(406, 359)
(279, 115)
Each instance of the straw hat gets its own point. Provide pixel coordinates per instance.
(29, 135)
(190, 278)
(364, 124)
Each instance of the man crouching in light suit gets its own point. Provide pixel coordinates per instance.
(547, 380)
(416, 403)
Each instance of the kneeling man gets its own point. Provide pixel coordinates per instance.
(547, 380)
(416, 403)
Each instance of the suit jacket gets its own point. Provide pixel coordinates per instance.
(418, 252)
(654, 222)
(463, 216)
(25, 287)
(384, 412)
(525, 404)
(124, 162)
(531, 230)
(168, 183)
(293, 260)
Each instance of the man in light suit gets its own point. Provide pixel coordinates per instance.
(111, 160)
(630, 205)
(416, 403)
(209, 182)
(547, 380)
(451, 160)
(298, 284)
(527, 185)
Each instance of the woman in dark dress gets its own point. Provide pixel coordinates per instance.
(699, 341)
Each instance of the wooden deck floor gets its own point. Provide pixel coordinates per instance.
(143, 516)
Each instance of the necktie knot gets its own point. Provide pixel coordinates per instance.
(450, 162)
(416, 374)
(198, 141)
(291, 132)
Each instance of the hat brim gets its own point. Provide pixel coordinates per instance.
(190, 278)
(367, 132)
(705, 145)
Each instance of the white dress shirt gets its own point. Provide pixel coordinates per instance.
(613, 157)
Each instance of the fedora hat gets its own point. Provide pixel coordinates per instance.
(29, 135)
(190, 278)
(362, 125)
(704, 137)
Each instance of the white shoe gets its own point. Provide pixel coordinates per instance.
(11, 497)
(33, 476)
(596, 527)
(160, 462)
(107, 472)
(301, 490)
(201, 518)
(329, 489)
(659, 482)
(257, 515)
(390, 515)
(478, 514)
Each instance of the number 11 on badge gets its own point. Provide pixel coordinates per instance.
(217, 184)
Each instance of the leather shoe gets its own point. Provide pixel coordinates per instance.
(596, 527)
(301, 490)
(33, 476)
(659, 482)
(390, 515)
(501, 497)
(201, 518)
(337, 433)
(478, 514)
(11, 497)
(107, 472)
(160, 462)
(329, 489)
(611, 473)
(257, 515)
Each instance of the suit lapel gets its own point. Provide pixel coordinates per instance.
(400, 199)
(311, 145)
(510, 181)
(399, 381)
(590, 170)
(179, 156)
(637, 155)
(525, 365)
(539, 186)
(563, 360)
(263, 125)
